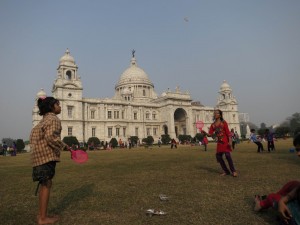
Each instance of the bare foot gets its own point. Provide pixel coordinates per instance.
(257, 206)
(234, 174)
(47, 220)
(223, 174)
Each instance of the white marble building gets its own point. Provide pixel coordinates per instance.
(134, 110)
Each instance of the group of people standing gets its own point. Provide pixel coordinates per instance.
(9, 150)
(269, 137)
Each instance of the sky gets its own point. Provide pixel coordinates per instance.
(194, 44)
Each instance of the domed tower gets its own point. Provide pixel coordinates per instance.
(134, 84)
(35, 111)
(228, 104)
(68, 84)
(226, 100)
(67, 88)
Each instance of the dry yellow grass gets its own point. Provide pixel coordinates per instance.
(117, 187)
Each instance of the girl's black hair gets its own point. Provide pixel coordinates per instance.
(46, 105)
(296, 140)
(298, 194)
(221, 114)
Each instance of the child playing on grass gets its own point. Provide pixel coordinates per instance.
(269, 136)
(254, 139)
(46, 144)
(287, 199)
(224, 142)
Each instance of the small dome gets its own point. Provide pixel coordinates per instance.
(134, 74)
(225, 86)
(67, 59)
(41, 93)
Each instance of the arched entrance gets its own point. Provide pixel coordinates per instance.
(180, 121)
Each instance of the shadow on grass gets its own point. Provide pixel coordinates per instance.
(73, 197)
(208, 169)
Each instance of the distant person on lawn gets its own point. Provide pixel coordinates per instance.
(254, 139)
(269, 136)
(204, 141)
(4, 148)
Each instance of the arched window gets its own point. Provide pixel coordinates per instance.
(154, 115)
(147, 115)
(135, 115)
(70, 111)
(69, 75)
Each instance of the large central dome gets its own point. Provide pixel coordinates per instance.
(134, 84)
(134, 75)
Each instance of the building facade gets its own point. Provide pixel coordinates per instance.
(134, 110)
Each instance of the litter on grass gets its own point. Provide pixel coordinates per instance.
(153, 212)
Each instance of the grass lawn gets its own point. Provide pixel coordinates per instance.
(117, 187)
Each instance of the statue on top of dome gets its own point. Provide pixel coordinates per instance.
(133, 51)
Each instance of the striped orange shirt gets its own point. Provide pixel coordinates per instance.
(45, 140)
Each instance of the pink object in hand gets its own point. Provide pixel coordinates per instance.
(79, 156)
(199, 125)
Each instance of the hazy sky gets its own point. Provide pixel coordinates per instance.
(253, 45)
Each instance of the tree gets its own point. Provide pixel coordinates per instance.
(20, 145)
(94, 141)
(199, 137)
(113, 142)
(70, 141)
(297, 131)
(165, 139)
(261, 131)
(282, 131)
(134, 140)
(183, 138)
(294, 121)
(8, 141)
(149, 140)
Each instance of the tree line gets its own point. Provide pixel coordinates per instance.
(290, 127)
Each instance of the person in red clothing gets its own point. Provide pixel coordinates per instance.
(205, 142)
(286, 200)
(220, 129)
(272, 199)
